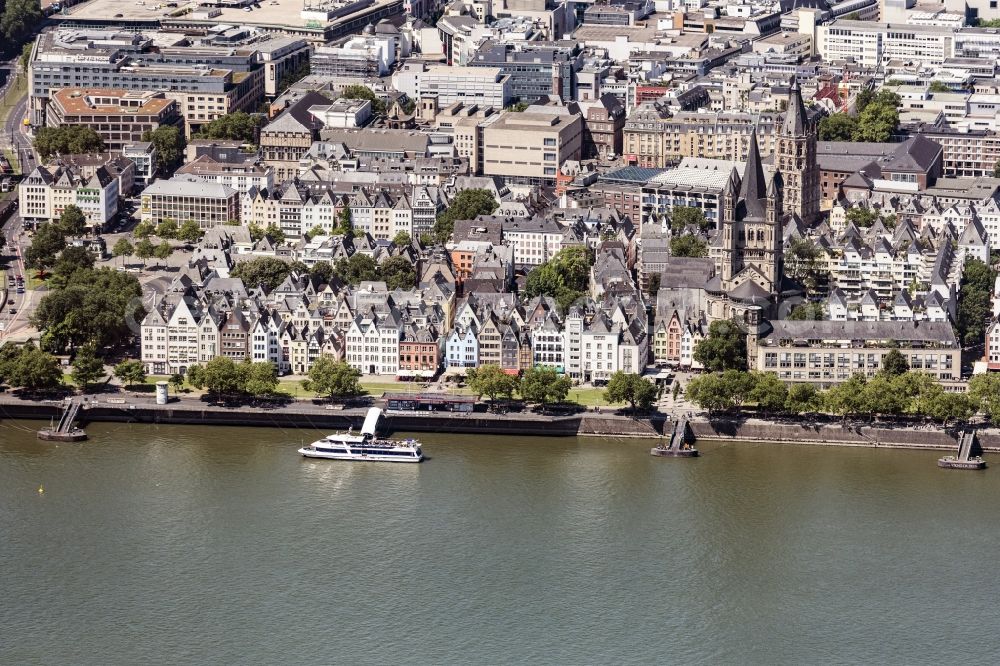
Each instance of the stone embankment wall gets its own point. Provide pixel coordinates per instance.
(307, 415)
(837, 434)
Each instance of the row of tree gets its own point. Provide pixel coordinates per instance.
(396, 272)
(544, 386)
(885, 394)
(67, 140)
(224, 377)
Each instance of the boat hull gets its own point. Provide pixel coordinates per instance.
(358, 457)
(71, 436)
(674, 453)
(950, 462)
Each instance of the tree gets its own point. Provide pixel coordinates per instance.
(803, 399)
(544, 385)
(802, 261)
(519, 107)
(709, 391)
(29, 367)
(996, 170)
(46, 244)
(837, 127)
(688, 246)
(238, 126)
(847, 397)
(492, 381)
(163, 251)
(358, 91)
(145, 250)
(683, 216)
(315, 232)
(122, 248)
(939, 87)
(808, 312)
(220, 376)
(190, 232)
(630, 388)
(879, 119)
(195, 375)
(654, 285)
(402, 239)
(26, 55)
(258, 379)
(94, 307)
(67, 140)
(144, 229)
(862, 217)
(71, 259)
(177, 381)
(894, 364)
(344, 225)
(768, 393)
(87, 368)
(72, 221)
(266, 271)
(398, 273)
(289, 78)
(984, 392)
(20, 18)
(322, 270)
(467, 205)
(330, 378)
(356, 269)
(131, 373)
(565, 277)
(974, 301)
(724, 348)
(275, 233)
(169, 144)
(167, 229)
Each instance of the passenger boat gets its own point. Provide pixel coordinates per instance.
(365, 445)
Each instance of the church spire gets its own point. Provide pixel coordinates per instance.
(795, 114)
(753, 189)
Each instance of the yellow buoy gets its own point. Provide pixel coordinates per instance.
(41, 490)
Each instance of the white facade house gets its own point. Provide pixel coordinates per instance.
(46, 192)
(599, 346)
(372, 343)
(462, 347)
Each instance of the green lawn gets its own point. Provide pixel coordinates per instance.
(14, 94)
(587, 396)
(12, 160)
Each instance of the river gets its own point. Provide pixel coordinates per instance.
(195, 545)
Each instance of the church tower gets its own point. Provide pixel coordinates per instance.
(795, 158)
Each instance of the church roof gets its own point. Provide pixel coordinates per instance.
(753, 188)
(795, 116)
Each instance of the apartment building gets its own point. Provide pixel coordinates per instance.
(182, 198)
(46, 192)
(206, 82)
(483, 86)
(654, 138)
(281, 57)
(536, 69)
(241, 173)
(829, 352)
(120, 117)
(872, 43)
(530, 146)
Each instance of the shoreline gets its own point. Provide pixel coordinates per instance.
(186, 411)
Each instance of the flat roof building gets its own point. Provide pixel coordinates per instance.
(119, 116)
